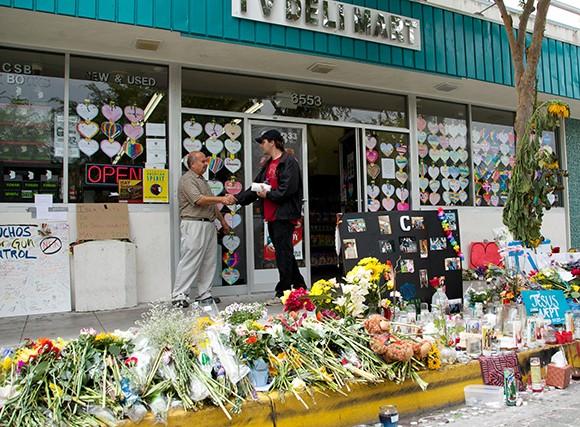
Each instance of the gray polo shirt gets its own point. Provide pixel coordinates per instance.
(190, 189)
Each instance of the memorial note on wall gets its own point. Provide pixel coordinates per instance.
(102, 221)
(34, 269)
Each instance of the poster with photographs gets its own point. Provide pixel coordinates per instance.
(413, 241)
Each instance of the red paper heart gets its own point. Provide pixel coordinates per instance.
(481, 254)
(233, 187)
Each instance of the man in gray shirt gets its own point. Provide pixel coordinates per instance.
(198, 210)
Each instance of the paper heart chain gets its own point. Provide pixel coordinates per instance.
(448, 232)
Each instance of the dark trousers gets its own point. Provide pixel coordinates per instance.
(281, 235)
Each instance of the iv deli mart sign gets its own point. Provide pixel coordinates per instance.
(334, 17)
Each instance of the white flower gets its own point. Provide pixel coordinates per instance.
(298, 384)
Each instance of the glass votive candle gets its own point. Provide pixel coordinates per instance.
(388, 416)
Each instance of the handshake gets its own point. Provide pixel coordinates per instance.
(228, 199)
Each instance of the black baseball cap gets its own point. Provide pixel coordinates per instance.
(270, 134)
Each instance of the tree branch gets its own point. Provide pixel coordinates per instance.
(516, 47)
(534, 51)
(527, 10)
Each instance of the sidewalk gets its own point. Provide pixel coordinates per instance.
(13, 330)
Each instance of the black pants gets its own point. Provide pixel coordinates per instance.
(281, 235)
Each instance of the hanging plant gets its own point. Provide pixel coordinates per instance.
(536, 175)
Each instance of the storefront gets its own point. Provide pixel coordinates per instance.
(412, 110)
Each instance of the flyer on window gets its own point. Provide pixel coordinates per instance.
(155, 186)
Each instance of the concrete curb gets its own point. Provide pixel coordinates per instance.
(362, 401)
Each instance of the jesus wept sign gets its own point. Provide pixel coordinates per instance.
(550, 305)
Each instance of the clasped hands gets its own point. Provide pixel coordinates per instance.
(228, 199)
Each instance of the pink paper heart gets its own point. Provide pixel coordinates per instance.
(373, 205)
(133, 114)
(112, 113)
(232, 130)
(388, 204)
(370, 142)
(233, 187)
(133, 150)
(372, 156)
(423, 150)
(421, 123)
(402, 206)
(111, 149)
(133, 132)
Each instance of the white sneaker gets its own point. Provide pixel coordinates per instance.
(274, 301)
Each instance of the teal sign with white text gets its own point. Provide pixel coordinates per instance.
(550, 305)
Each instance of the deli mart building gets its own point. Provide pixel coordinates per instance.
(427, 88)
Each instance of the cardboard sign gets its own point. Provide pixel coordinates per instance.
(102, 221)
(551, 305)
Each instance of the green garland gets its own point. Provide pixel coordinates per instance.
(535, 175)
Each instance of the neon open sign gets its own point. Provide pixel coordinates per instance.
(111, 174)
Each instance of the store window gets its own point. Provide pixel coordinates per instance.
(226, 92)
(443, 150)
(119, 111)
(494, 154)
(31, 125)
(221, 139)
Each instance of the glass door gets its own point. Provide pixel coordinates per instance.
(349, 156)
(264, 271)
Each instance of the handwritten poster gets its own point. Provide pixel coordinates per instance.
(102, 221)
(34, 269)
(550, 305)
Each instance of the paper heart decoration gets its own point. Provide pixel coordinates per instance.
(433, 171)
(481, 254)
(230, 275)
(402, 194)
(231, 259)
(421, 136)
(551, 198)
(434, 154)
(478, 200)
(233, 146)
(442, 128)
(454, 184)
(372, 191)
(487, 197)
(133, 132)
(217, 187)
(453, 197)
(476, 135)
(446, 198)
(373, 170)
(494, 187)
(111, 149)
(461, 141)
(454, 171)
(494, 200)
(505, 149)
(494, 147)
(512, 161)
(133, 114)
(88, 146)
(423, 150)
(233, 165)
(433, 141)
(462, 129)
(373, 205)
(387, 149)
(214, 130)
(232, 130)
(444, 155)
(231, 242)
(372, 156)
(454, 156)
(503, 136)
(402, 206)
(192, 144)
(112, 113)
(421, 123)
(214, 146)
(503, 197)
(434, 198)
(388, 204)
(423, 183)
(463, 170)
(233, 187)
(87, 130)
(505, 160)
(133, 149)
(87, 112)
(401, 162)
(370, 142)
(445, 183)
(388, 189)
(233, 220)
(463, 196)
(463, 183)
(485, 146)
(423, 196)
(477, 160)
(444, 170)
(433, 127)
(111, 130)
(401, 148)
(452, 129)
(434, 185)
(476, 148)
(454, 143)
(422, 169)
(401, 176)
(234, 208)
(192, 129)
(215, 164)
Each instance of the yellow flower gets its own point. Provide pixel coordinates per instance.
(6, 363)
(434, 364)
(56, 390)
(576, 288)
(104, 335)
(559, 109)
(285, 296)
(24, 354)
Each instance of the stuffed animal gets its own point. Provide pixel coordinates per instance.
(377, 324)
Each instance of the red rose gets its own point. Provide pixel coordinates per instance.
(576, 271)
